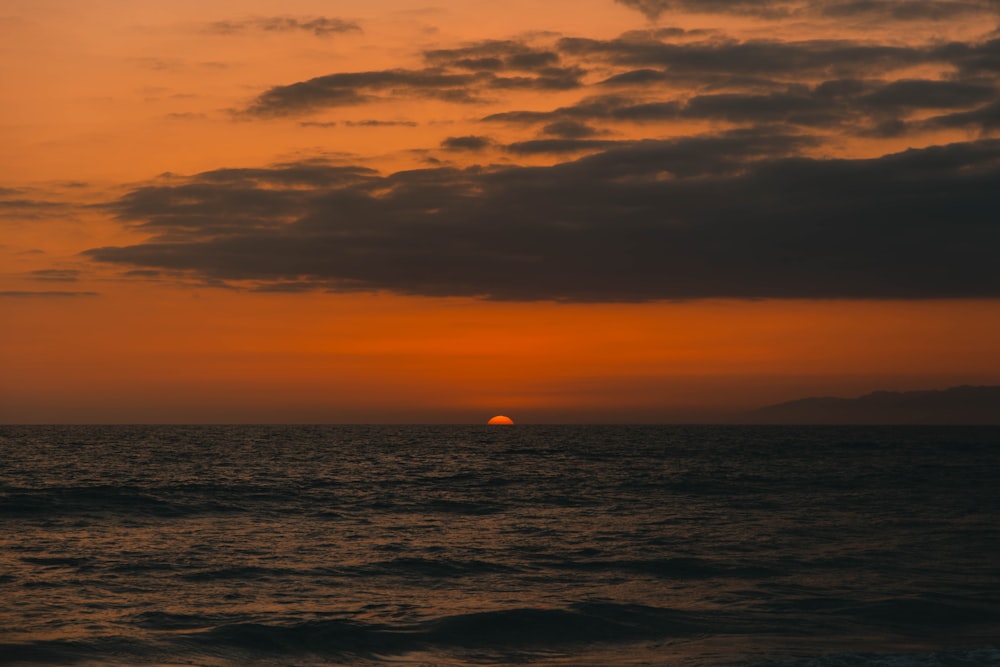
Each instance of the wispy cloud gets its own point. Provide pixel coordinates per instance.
(56, 275)
(44, 295)
(321, 26)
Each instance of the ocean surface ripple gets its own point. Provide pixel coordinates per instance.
(531, 545)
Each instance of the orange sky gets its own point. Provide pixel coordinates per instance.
(117, 116)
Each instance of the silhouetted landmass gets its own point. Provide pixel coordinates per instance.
(958, 405)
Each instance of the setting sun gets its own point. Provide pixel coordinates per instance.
(501, 420)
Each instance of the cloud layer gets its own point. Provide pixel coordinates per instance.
(676, 164)
(669, 76)
(735, 215)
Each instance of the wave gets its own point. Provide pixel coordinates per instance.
(922, 613)
(671, 568)
(983, 657)
(516, 635)
(509, 632)
(583, 623)
(432, 567)
(102, 500)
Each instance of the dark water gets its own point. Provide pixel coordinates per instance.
(302, 545)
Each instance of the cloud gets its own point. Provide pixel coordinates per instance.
(495, 56)
(929, 94)
(321, 26)
(351, 88)
(864, 106)
(380, 123)
(225, 200)
(360, 123)
(985, 118)
(21, 206)
(48, 294)
(56, 275)
(737, 214)
(457, 75)
(904, 10)
(739, 211)
(897, 10)
(467, 143)
(569, 129)
(669, 74)
(654, 8)
(537, 146)
(600, 107)
(761, 58)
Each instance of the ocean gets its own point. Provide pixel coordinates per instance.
(476, 545)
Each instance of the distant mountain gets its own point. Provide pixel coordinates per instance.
(958, 405)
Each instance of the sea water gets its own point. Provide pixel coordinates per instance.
(532, 545)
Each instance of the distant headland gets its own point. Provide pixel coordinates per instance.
(957, 405)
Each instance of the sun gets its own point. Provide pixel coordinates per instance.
(501, 420)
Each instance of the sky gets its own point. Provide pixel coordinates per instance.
(564, 211)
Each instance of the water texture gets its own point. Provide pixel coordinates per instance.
(534, 545)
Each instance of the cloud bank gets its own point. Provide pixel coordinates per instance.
(730, 215)
(676, 164)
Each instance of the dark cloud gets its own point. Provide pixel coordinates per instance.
(296, 287)
(734, 215)
(553, 146)
(252, 198)
(972, 59)
(798, 107)
(569, 129)
(495, 56)
(654, 8)
(732, 58)
(928, 94)
(868, 107)
(321, 26)
(839, 102)
(985, 118)
(468, 143)
(899, 10)
(601, 107)
(723, 79)
(904, 10)
(640, 77)
(351, 88)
